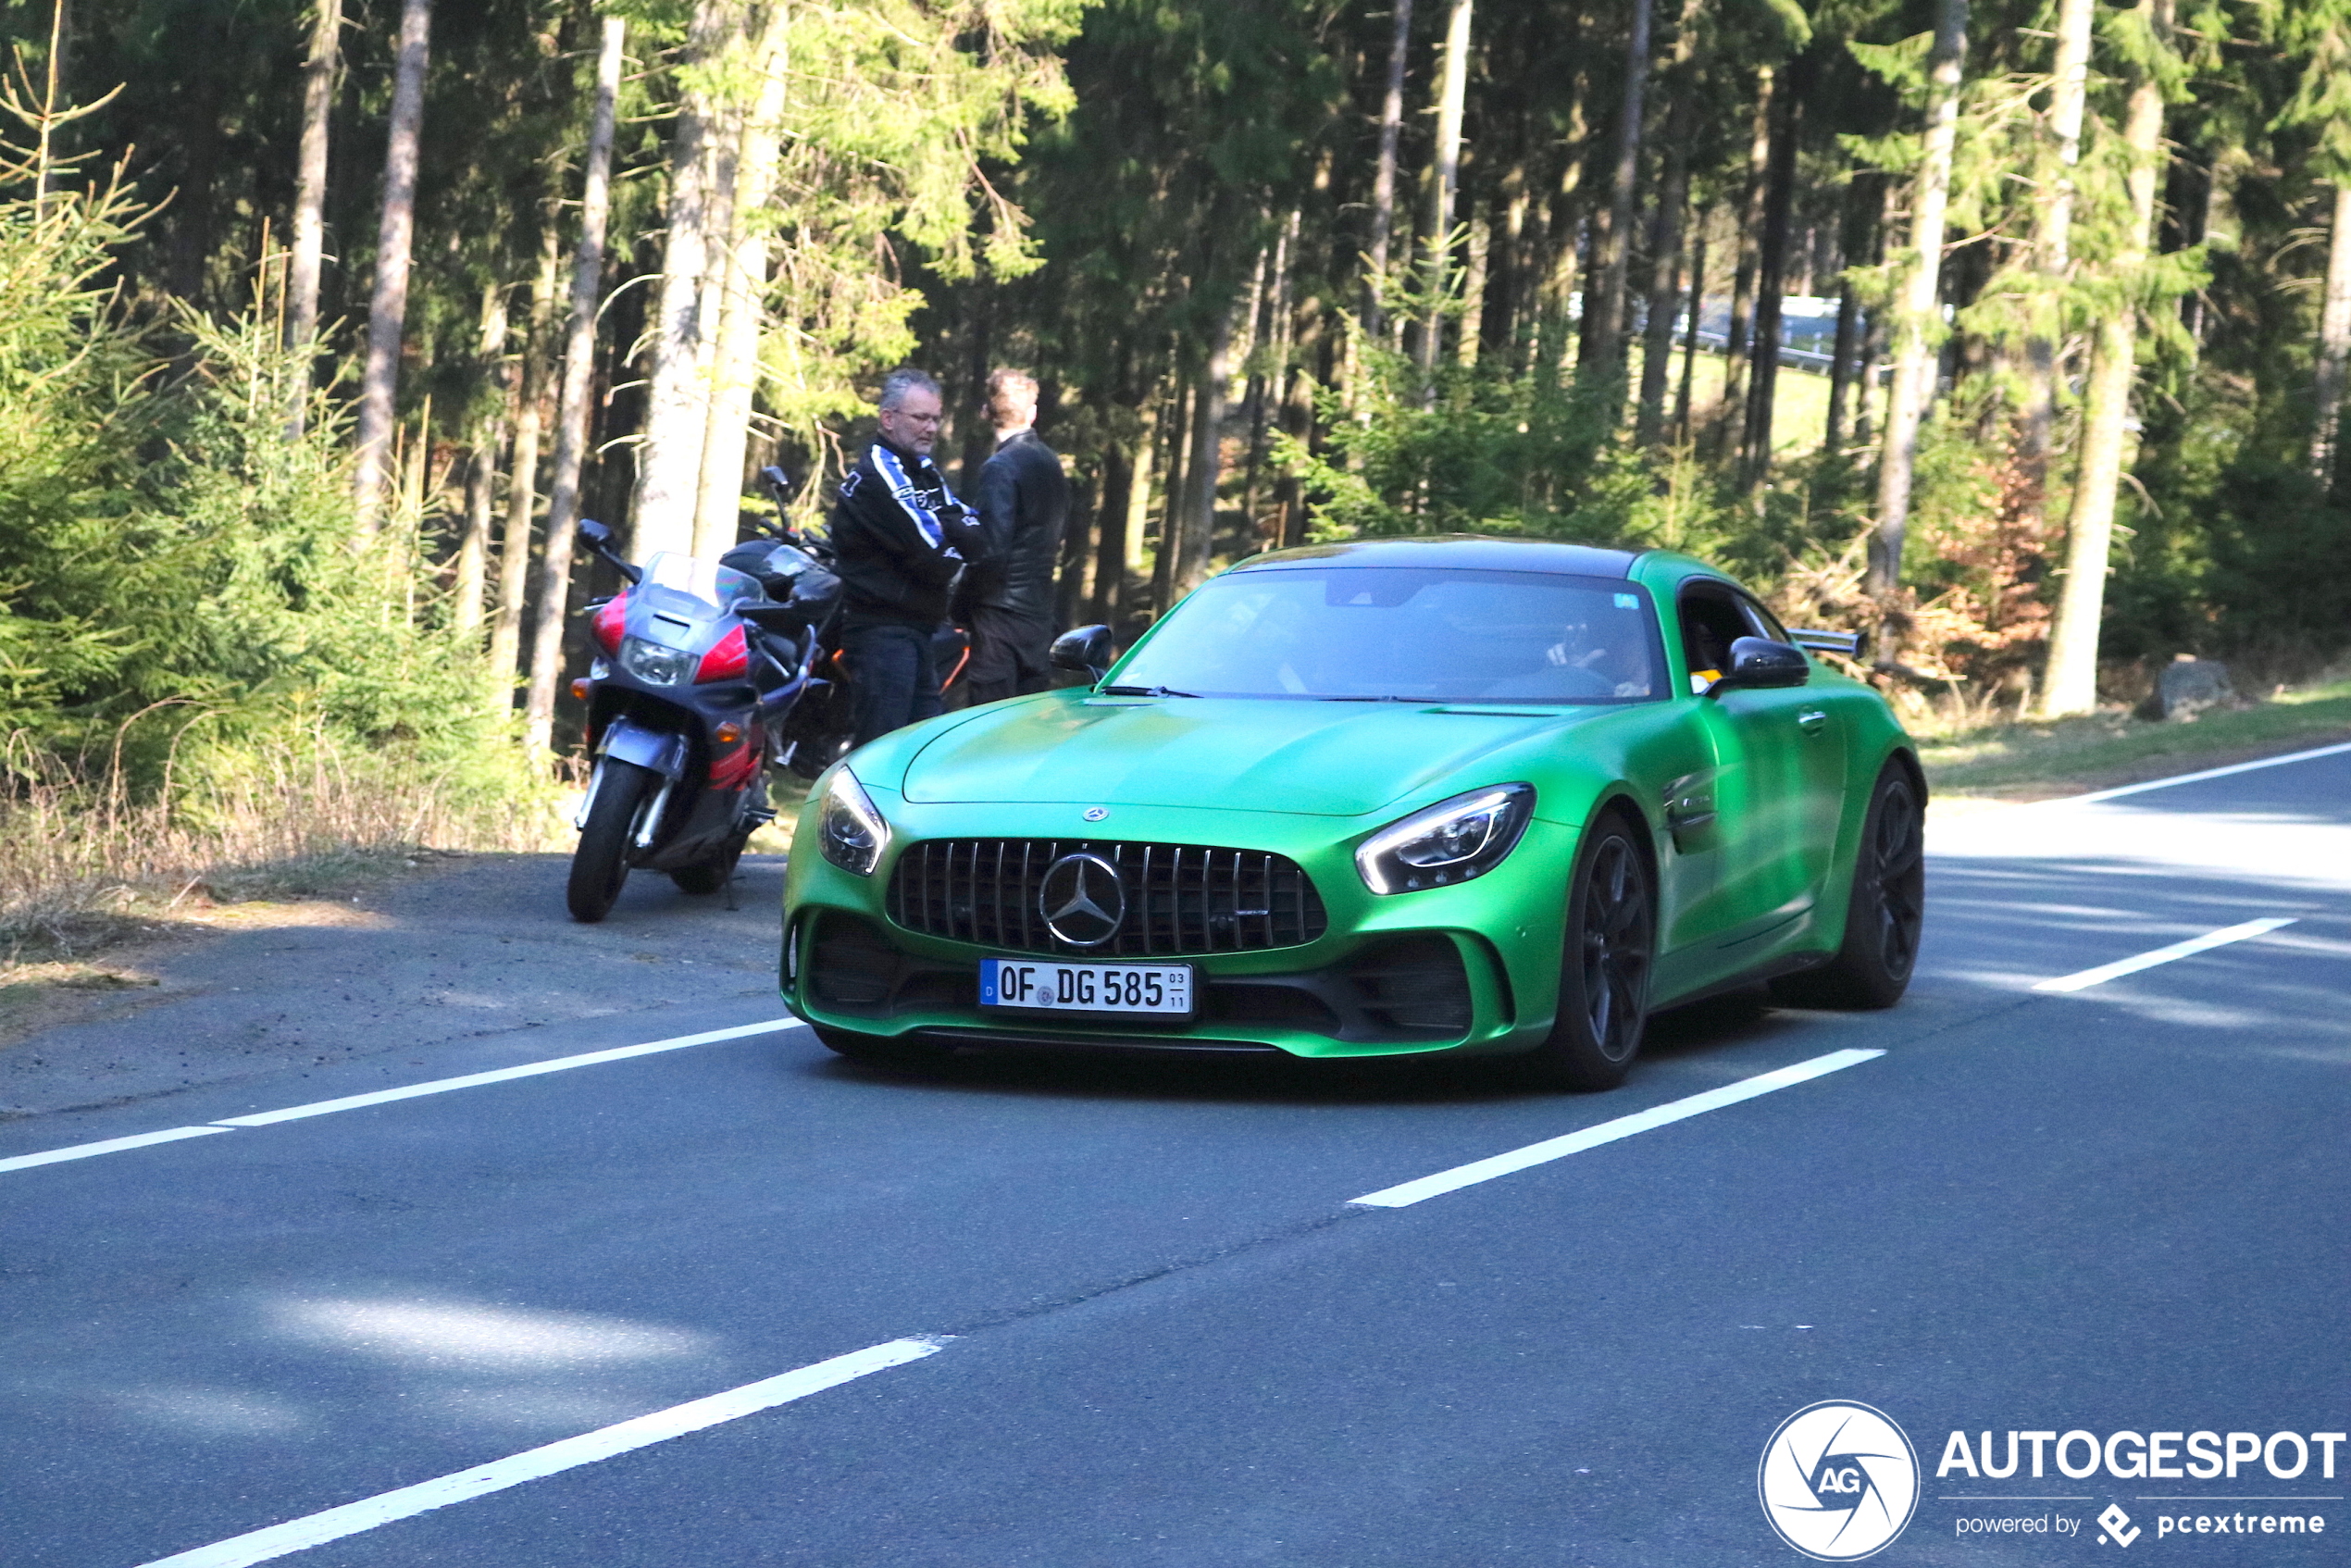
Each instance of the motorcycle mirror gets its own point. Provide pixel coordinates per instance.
(1088, 648)
(778, 483)
(599, 538)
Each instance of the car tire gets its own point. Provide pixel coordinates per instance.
(600, 864)
(882, 1050)
(1604, 971)
(1887, 911)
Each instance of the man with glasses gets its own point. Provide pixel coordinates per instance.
(901, 538)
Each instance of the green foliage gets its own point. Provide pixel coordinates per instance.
(1478, 453)
(176, 582)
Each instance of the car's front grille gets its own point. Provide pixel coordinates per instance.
(1179, 899)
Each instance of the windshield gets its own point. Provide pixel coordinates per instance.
(1412, 634)
(697, 579)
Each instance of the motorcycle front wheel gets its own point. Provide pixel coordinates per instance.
(600, 864)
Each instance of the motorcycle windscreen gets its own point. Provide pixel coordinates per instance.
(706, 580)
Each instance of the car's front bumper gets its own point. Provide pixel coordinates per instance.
(1471, 968)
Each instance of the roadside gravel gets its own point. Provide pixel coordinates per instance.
(469, 947)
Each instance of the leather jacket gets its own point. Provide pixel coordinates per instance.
(1024, 506)
(900, 537)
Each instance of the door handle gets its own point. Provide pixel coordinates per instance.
(1812, 720)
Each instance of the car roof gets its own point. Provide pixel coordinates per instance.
(1454, 550)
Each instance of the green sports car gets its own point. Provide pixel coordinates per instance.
(1478, 796)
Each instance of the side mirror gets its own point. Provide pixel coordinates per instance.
(778, 483)
(1088, 648)
(1760, 663)
(598, 538)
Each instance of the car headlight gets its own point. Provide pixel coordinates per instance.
(654, 664)
(850, 831)
(1450, 842)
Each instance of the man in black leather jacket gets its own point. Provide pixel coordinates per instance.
(900, 540)
(1023, 504)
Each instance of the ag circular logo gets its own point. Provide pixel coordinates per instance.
(1838, 1481)
(1082, 900)
(1096, 814)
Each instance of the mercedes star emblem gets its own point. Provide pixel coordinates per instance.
(1082, 900)
(1096, 814)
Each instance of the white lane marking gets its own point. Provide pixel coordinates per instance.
(297, 1535)
(1609, 1132)
(108, 1146)
(2120, 790)
(384, 1096)
(503, 1075)
(2131, 965)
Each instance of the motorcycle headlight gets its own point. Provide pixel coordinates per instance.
(850, 831)
(1450, 842)
(654, 664)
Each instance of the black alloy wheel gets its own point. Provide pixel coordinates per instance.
(600, 864)
(1604, 976)
(1888, 913)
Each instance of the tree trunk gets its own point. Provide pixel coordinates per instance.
(388, 311)
(1855, 246)
(2071, 685)
(1110, 535)
(1199, 536)
(1689, 337)
(1665, 233)
(1391, 125)
(1603, 323)
(2334, 345)
(742, 300)
(482, 480)
(572, 401)
(1446, 181)
(676, 394)
(1771, 284)
(1552, 338)
(1918, 327)
(522, 477)
(1750, 226)
(1121, 603)
(2052, 257)
(310, 195)
(1172, 495)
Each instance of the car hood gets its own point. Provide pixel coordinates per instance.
(1321, 759)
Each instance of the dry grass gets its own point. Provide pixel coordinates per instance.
(2025, 760)
(81, 863)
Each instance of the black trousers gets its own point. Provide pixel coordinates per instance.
(892, 681)
(1009, 654)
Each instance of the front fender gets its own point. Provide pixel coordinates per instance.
(664, 753)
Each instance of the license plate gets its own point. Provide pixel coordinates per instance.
(1161, 990)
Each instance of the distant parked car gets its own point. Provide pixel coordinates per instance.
(1456, 795)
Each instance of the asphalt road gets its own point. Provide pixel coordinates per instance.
(1154, 1329)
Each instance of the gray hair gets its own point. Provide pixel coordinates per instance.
(899, 382)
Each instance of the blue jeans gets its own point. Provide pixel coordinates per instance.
(892, 681)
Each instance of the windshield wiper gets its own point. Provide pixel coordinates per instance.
(1145, 691)
(1388, 697)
